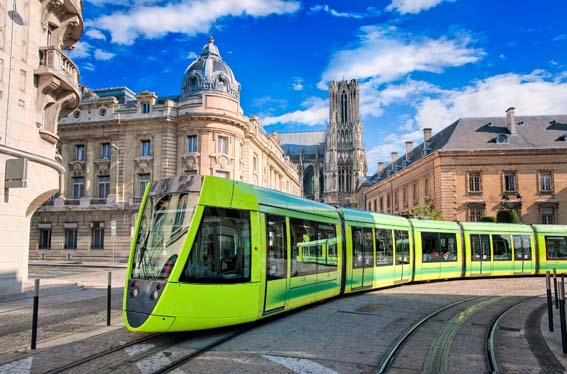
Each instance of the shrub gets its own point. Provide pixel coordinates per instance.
(507, 216)
(488, 219)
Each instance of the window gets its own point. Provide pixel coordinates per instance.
(502, 139)
(79, 152)
(146, 147)
(192, 144)
(222, 174)
(223, 145)
(426, 188)
(180, 210)
(402, 247)
(143, 180)
(97, 237)
(384, 247)
(548, 215)
(103, 187)
(438, 247)
(556, 247)
(480, 247)
(545, 181)
(510, 181)
(146, 108)
(522, 247)
(381, 203)
(362, 249)
(501, 248)
(71, 238)
(105, 151)
(396, 201)
(415, 194)
(474, 181)
(78, 188)
(313, 247)
(23, 79)
(276, 267)
(476, 213)
(405, 197)
(222, 250)
(45, 237)
(388, 203)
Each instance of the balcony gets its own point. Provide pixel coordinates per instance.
(72, 202)
(52, 61)
(100, 201)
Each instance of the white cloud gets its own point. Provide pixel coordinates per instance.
(186, 16)
(297, 84)
(103, 55)
(95, 34)
(412, 6)
(327, 9)
(192, 56)
(88, 66)
(531, 94)
(386, 55)
(81, 50)
(316, 113)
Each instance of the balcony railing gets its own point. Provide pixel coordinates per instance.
(72, 202)
(54, 60)
(101, 201)
(137, 200)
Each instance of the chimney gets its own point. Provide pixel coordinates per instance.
(394, 157)
(511, 120)
(409, 147)
(426, 135)
(380, 167)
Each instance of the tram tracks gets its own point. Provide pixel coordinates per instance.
(438, 342)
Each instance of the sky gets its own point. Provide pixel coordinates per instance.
(420, 63)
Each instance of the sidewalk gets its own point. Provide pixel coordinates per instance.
(78, 264)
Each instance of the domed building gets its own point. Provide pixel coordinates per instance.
(117, 141)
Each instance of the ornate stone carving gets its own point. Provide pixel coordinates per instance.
(190, 161)
(77, 168)
(102, 168)
(144, 164)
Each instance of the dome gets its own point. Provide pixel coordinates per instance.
(209, 73)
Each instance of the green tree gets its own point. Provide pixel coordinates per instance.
(427, 210)
(507, 216)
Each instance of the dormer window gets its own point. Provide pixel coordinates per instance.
(146, 108)
(502, 139)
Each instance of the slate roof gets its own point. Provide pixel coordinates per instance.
(480, 134)
(308, 141)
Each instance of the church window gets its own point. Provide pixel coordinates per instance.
(343, 107)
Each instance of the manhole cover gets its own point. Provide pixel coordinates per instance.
(370, 308)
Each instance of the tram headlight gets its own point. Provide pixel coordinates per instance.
(134, 292)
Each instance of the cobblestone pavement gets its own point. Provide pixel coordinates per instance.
(350, 334)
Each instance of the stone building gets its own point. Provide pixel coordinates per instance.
(477, 166)
(332, 162)
(118, 141)
(39, 83)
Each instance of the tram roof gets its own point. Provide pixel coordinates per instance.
(496, 227)
(373, 218)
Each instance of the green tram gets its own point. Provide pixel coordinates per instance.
(211, 252)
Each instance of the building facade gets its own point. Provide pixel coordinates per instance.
(39, 84)
(332, 163)
(118, 141)
(478, 166)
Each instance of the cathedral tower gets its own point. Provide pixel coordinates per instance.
(345, 160)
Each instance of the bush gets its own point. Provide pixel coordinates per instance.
(488, 219)
(426, 211)
(507, 216)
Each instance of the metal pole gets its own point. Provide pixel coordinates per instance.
(34, 316)
(562, 317)
(555, 288)
(549, 301)
(108, 298)
(113, 240)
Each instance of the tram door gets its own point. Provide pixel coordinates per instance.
(362, 258)
(402, 271)
(522, 254)
(480, 254)
(276, 264)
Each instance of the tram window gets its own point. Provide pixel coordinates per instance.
(327, 248)
(522, 247)
(480, 247)
(430, 247)
(276, 247)
(501, 247)
(556, 247)
(303, 238)
(362, 249)
(384, 247)
(438, 247)
(402, 246)
(221, 251)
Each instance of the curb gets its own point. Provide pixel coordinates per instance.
(78, 264)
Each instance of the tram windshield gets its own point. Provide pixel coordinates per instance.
(163, 229)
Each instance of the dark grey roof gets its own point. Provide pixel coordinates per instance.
(479, 134)
(306, 142)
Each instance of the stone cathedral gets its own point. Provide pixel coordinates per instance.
(332, 162)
